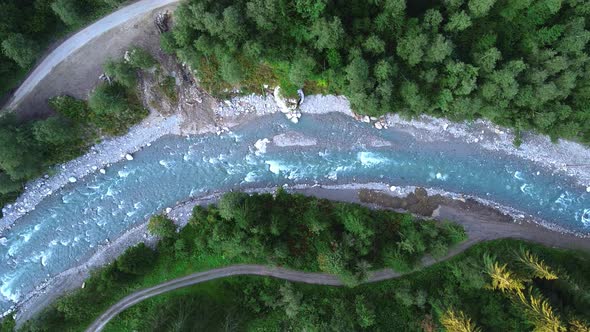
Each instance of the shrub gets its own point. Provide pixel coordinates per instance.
(108, 99)
(71, 12)
(122, 72)
(136, 260)
(161, 226)
(113, 110)
(454, 232)
(20, 49)
(70, 107)
(8, 185)
(8, 323)
(141, 59)
(395, 260)
(57, 132)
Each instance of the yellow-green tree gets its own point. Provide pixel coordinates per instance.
(540, 313)
(457, 321)
(578, 326)
(536, 266)
(502, 279)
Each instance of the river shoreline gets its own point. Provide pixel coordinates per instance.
(478, 222)
(240, 110)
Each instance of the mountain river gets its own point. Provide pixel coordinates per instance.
(68, 227)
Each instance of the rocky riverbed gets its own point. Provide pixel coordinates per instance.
(563, 157)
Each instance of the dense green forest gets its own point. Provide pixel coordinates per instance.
(286, 230)
(457, 296)
(29, 149)
(503, 285)
(30, 26)
(520, 63)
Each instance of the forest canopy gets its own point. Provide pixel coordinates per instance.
(520, 63)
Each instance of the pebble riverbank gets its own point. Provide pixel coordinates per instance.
(99, 157)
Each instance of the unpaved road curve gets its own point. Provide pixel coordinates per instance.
(251, 270)
(74, 43)
(235, 270)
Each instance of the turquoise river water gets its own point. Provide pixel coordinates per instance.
(67, 227)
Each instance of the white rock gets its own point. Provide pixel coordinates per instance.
(588, 189)
(294, 120)
(265, 86)
(72, 179)
(260, 146)
(298, 115)
(228, 103)
(373, 118)
(128, 157)
(102, 171)
(393, 188)
(83, 285)
(168, 210)
(366, 119)
(289, 116)
(94, 168)
(378, 125)
(445, 126)
(149, 144)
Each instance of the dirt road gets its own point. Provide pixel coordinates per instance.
(78, 41)
(252, 270)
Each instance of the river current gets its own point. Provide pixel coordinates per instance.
(67, 227)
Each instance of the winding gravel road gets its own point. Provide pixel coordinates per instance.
(74, 43)
(253, 270)
(235, 270)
